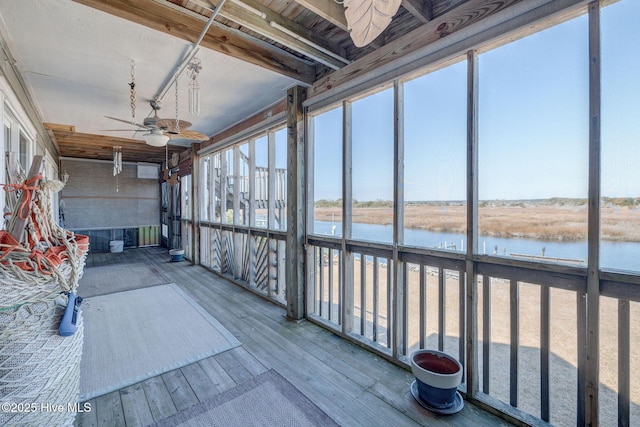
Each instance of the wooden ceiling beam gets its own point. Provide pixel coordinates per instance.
(239, 128)
(59, 127)
(264, 26)
(461, 17)
(420, 9)
(328, 10)
(160, 17)
(100, 147)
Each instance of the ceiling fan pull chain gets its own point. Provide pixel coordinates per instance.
(177, 119)
(132, 95)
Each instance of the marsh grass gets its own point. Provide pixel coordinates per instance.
(549, 219)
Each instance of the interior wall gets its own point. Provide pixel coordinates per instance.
(94, 199)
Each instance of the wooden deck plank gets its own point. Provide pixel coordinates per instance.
(199, 381)
(269, 318)
(216, 373)
(158, 398)
(109, 410)
(335, 389)
(249, 362)
(236, 371)
(344, 357)
(135, 406)
(348, 382)
(179, 389)
(88, 418)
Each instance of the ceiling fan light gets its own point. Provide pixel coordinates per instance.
(156, 139)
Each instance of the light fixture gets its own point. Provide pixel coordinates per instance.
(156, 138)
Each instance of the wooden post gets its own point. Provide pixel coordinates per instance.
(471, 365)
(347, 196)
(251, 245)
(195, 201)
(271, 180)
(624, 362)
(224, 183)
(295, 203)
(271, 213)
(593, 258)
(398, 315)
(310, 264)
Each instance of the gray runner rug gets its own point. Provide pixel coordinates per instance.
(134, 335)
(266, 400)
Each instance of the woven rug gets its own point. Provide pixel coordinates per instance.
(134, 335)
(101, 280)
(266, 400)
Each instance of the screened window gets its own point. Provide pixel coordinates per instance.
(243, 184)
(327, 173)
(372, 167)
(435, 159)
(281, 178)
(185, 202)
(533, 146)
(620, 205)
(216, 173)
(205, 206)
(227, 186)
(261, 205)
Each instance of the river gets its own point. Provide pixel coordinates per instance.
(613, 255)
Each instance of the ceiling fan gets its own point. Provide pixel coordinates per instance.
(161, 130)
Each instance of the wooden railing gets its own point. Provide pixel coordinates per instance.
(530, 343)
(253, 258)
(324, 292)
(423, 276)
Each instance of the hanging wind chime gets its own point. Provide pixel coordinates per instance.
(117, 163)
(193, 70)
(117, 150)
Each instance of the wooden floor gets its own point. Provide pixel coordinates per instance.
(353, 386)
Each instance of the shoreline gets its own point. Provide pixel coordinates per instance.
(544, 222)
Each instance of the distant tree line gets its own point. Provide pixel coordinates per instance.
(629, 202)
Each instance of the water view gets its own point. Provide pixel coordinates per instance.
(614, 255)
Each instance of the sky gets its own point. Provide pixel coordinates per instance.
(262, 150)
(533, 122)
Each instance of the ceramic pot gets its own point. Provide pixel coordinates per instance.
(437, 376)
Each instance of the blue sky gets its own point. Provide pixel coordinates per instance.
(533, 122)
(262, 150)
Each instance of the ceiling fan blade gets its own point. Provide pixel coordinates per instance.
(123, 130)
(140, 125)
(169, 125)
(188, 134)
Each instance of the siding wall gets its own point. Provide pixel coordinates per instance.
(92, 202)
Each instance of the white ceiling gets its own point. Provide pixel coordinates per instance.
(76, 62)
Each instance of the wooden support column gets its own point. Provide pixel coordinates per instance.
(471, 365)
(271, 180)
(347, 296)
(593, 258)
(295, 203)
(252, 208)
(237, 237)
(398, 306)
(310, 264)
(196, 197)
(271, 214)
